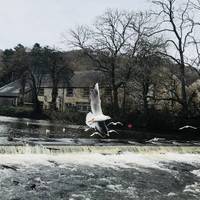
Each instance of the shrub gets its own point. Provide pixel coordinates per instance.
(67, 116)
(21, 111)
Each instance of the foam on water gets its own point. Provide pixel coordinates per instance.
(193, 188)
(63, 149)
(127, 175)
(124, 160)
(196, 172)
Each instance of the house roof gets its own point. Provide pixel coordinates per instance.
(12, 89)
(79, 79)
(87, 78)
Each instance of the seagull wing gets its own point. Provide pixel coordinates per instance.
(89, 120)
(97, 133)
(95, 101)
(113, 131)
(192, 127)
(115, 123)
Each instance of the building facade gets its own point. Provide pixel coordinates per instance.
(74, 94)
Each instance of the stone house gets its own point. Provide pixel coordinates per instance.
(74, 95)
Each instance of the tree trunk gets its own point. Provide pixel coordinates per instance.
(183, 86)
(115, 102)
(183, 92)
(124, 99)
(36, 103)
(22, 89)
(145, 101)
(115, 106)
(54, 95)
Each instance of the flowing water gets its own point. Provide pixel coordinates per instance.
(39, 166)
(96, 176)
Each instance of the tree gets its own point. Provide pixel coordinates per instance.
(195, 38)
(58, 68)
(147, 62)
(24, 63)
(7, 74)
(20, 62)
(28, 67)
(176, 21)
(36, 72)
(111, 44)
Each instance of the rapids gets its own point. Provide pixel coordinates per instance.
(34, 165)
(100, 176)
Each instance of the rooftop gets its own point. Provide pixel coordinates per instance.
(79, 79)
(12, 89)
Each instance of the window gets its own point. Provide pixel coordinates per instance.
(69, 107)
(70, 92)
(86, 92)
(41, 92)
(83, 106)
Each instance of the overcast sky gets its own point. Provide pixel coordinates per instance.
(43, 21)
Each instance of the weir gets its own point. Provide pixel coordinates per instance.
(64, 149)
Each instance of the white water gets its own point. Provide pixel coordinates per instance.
(163, 171)
(63, 149)
(98, 176)
(124, 160)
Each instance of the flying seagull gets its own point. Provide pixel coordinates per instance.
(187, 127)
(115, 123)
(96, 119)
(47, 131)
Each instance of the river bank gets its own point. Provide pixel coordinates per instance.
(26, 127)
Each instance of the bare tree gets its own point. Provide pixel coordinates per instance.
(148, 62)
(195, 39)
(176, 21)
(112, 44)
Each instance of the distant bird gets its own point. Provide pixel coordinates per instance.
(187, 127)
(115, 123)
(112, 131)
(156, 139)
(87, 129)
(27, 123)
(96, 119)
(47, 131)
(97, 133)
(64, 129)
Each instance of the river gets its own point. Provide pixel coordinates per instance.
(41, 166)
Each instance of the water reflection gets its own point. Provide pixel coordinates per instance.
(21, 127)
(13, 127)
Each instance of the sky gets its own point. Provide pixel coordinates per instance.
(44, 21)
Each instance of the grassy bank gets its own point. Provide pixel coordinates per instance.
(20, 111)
(28, 112)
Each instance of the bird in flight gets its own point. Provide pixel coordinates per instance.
(187, 127)
(96, 119)
(115, 123)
